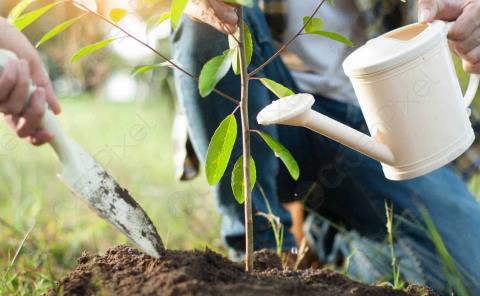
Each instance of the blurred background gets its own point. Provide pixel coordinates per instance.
(105, 109)
(125, 122)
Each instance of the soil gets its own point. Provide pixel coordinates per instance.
(127, 271)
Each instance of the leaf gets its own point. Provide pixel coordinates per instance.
(335, 36)
(247, 3)
(145, 68)
(117, 14)
(248, 45)
(28, 18)
(275, 87)
(18, 10)
(213, 71)
(89, 49)
(238, 182)
(315, 26)
(58, 29)
(283, 153)
(86, 5)
(157, 20)
(331, 2)
(176, 11)
(220, 149)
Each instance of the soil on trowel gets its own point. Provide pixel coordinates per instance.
(127, 271)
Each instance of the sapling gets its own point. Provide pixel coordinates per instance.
(237, 57)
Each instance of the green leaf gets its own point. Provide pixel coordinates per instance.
(157, 20)
(238, 182)
(89, 49)
(58, 29)
(335, 36)
(18, 10)
(315, 26)
(177, 10)
(117, 14)
(275, 87)
(247, 3)
(145, 68)
(220, 149)
(213, 71)
(331, 2)
(27, 19)
(282, 152)
(248, 45)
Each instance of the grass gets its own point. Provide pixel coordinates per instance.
(132, 141)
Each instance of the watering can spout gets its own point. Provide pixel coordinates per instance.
(297, 110)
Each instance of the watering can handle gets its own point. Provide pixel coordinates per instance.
(49, 121)
(473, 82)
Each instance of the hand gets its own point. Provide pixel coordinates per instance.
(14, 85)
(464, 36)
(215, 13)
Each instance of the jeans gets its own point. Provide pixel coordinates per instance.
(344, 191)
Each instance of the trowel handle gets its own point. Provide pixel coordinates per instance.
(60, 142)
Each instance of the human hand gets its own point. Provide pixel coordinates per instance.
(24, 119)
(464, 36)
(215, 13)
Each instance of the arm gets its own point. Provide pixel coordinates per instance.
(23, 119)
(464, 35)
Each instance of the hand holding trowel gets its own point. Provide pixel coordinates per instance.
(90, 181)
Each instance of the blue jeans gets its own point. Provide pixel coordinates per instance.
(339, 185)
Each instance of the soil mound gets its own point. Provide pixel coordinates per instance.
(127, 271)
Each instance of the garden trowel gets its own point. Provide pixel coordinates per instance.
(88, 180)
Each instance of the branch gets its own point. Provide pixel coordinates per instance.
(246, 146)
(175, 65)
(284, 46)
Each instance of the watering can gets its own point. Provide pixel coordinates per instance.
(410, 96)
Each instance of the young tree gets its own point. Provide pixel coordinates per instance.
(237, 57)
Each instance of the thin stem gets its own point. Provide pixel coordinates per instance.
(284, 46)
(246, 146)
(175, 65)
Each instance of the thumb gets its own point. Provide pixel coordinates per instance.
(427, 10)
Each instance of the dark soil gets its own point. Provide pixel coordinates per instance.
(126, 271)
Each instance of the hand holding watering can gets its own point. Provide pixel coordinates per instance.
(409, 93)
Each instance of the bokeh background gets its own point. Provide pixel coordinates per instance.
(105, 109)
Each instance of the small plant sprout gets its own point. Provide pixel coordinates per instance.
(277, 226)
(397, 281)
(237, 57)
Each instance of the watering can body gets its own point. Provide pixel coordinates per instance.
(409, 93)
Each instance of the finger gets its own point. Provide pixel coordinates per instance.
(32, 116)
(466, 23)
(427, 10)
(465, 46)
(40, 137)
(225, 13)
(19, 95)
(8, 79)
(471, 67)
(472, 56)
(41, 79)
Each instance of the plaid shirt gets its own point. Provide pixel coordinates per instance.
(379, 16)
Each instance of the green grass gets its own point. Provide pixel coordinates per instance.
(133, 142)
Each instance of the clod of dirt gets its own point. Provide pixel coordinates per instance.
(126, 271)
(266, 259)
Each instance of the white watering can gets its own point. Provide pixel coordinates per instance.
(409, 93)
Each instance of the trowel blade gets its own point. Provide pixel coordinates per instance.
(88, 180)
